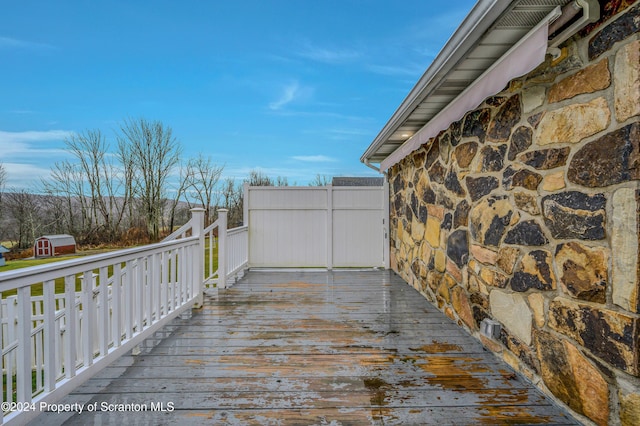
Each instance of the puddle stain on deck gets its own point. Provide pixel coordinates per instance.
(438, 347)
(298, 352)
(441, 369)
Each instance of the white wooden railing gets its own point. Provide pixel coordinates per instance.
(232, 254)
(94, 309)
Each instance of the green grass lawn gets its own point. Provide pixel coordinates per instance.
(25, 263)
(36, 289)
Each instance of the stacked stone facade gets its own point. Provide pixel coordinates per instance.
(527, 211)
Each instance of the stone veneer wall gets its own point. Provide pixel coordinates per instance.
(527, 211)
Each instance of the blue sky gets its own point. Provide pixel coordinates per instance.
(294, 88)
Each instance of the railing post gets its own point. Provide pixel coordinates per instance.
(222, 248)
(197, 227)
(245, 204)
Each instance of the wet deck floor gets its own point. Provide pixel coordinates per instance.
(325, 348)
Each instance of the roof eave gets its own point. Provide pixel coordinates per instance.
(479, 20)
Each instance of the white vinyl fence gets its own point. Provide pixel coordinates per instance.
(328, 226)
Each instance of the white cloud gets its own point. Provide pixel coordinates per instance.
(350, 132)
(291, 93)
(21, 111)
(24, 176)
(33, 136)
(14, 43)
(326, 114)
(16, 144)
(314, 158)
(329, 56)
(411, 70)
(287, 96)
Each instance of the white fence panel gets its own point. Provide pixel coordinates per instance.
(357, 238)
(287, 238)
(316, 227)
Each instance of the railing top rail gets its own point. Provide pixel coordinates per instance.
(212, 226)
(184, 228)
(23, 277)
(237, 229)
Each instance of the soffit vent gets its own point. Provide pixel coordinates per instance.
(528, 13)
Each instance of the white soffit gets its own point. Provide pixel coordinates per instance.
(498, 41)
(522, 58)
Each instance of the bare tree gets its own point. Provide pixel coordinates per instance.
(258, 178)
(154, 152)
(231, 198)
(202, 177)
(3, 179)
(3, 182)
(128, 179)
(320, 180)
(179, 192)
(102, 180)
(282, 181)
(67, 182)
(24, 212)
(232, 193)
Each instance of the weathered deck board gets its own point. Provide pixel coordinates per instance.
(291, 348)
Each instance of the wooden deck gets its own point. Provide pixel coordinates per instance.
(325, 348)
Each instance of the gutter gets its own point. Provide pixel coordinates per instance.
(371, 166)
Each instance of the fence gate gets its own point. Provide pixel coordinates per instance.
(328, 226)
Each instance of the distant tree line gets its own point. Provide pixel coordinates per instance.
(131, 194)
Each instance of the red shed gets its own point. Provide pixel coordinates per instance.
(54, 245)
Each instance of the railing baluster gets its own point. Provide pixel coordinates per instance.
(182, 267)
(128, 300)
(138, 306)
(191, 272)
(170, 280)
(148, 280)
(222, 248)
(59, 348)
(50, 337)
(23, 372)
(156, 283)
(175, 289)
(12, 314)
(164, 286)
(169, 271)
(37, 337)
(116, 303)
(87, 325)
(211, 247)
(4, 331)
(103, 320)
(70, 325)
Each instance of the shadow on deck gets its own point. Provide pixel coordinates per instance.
(283, 348)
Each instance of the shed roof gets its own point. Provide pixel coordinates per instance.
(60, 239)
(3, 249)
(491, 31)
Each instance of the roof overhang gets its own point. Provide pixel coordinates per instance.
(498, 40)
